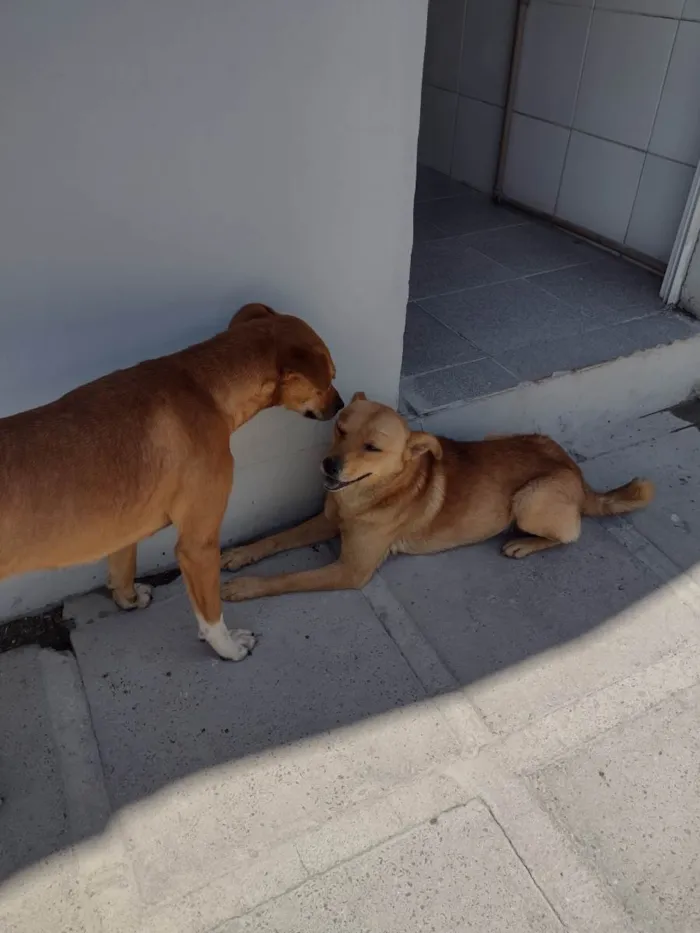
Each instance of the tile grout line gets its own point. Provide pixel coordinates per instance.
(461, 717)
(459, 81)
(516, 276)
(651, 132)
(538, 887)
(570, 129)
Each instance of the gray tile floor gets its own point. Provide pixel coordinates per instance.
(497, 298)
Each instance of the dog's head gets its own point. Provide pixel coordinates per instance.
(305, 367)
(372, 443)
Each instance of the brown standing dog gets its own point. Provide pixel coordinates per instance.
(391, 490)
(116, 460)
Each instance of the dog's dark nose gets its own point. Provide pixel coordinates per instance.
(339, 403)
(331, 466)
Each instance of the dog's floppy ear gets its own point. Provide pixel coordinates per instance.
(303, 361)
(420, 443)
(251, 312)
(358, 397)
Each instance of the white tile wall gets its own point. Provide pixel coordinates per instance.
(535, 162)
(676, 132)
(658, 207)
(477, 139)
(672, 8)
(437, 120)
(691, 10)
(552, 60)
(599, 185)
(486, 49)
(623, 74)
(443, 43)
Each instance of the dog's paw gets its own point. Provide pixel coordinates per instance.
(517, 548)
(241, 588)
(235, 558)
(144, 595)
(232, 646)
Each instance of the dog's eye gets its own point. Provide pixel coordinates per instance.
(341, 432)
(372, 449)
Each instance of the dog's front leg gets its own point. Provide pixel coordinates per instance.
(357, 563)
(314, 531)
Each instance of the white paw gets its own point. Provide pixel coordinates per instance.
(144, 595)
(516, 549)
(232, 646)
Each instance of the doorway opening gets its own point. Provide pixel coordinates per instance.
(544, 216)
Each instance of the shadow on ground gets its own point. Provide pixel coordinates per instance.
(519, 639)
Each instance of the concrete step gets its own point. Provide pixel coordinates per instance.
(577, 405)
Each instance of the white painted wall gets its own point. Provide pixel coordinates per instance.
(164, 161)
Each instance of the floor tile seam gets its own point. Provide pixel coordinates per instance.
(624, 715)
(583, 458)
(661, 558)
(341, 863)
(570, 304)
(572, 842)
(462, 402)
(449, 235)
(515, 277)
(595, 329)
(538, 887)
(60, 671)
(479, 359)
(526, 275)
(393, 617)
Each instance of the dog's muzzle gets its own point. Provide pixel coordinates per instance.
(331, 467)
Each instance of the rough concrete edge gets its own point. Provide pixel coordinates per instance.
(108, 886)
(566, 730)
(407, 636)
(96, 605)
(311, 854)
(649, 554)
(443, 690)
(581, 900)
(573, 401)
(283, 871)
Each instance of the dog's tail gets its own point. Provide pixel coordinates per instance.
(634, 495)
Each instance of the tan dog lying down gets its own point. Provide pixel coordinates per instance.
(116, 460)
(391, 490)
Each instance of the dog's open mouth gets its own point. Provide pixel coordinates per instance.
(333, 484)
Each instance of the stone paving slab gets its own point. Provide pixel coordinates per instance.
(324, 714)
(672, 521)
(631, 801)
(33, 820)
(456, 873)
(40, 829)
(527, 637)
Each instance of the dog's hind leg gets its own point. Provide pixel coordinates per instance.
(125, 592)
(549, 510)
